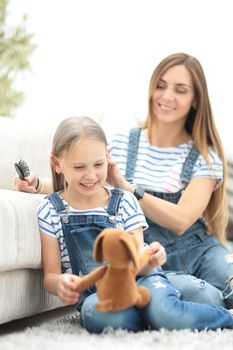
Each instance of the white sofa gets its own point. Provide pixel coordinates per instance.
(21, 287)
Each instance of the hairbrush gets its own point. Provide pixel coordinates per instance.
(22, 169)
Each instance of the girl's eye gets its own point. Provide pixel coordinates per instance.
(99, 165)
(79, 167)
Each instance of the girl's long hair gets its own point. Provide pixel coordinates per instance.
(201, 126)
(70, 131)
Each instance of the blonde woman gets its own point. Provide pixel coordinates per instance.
(176, 163)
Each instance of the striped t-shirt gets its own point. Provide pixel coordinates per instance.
(129, 217)
(158, 168)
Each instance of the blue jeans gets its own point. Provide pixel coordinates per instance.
(209, 261)
(198, 254)
(165, 310)
(197, 290)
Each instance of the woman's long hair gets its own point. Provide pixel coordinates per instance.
(201, 126)
(70, 131)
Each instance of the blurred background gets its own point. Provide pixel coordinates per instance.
(96, 57)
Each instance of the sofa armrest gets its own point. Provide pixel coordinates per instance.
(20, 245)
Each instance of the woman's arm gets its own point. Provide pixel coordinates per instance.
(175, 217)
(30, 184)
(179, 217)
(56, 283)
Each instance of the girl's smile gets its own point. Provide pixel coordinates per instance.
(89, 187)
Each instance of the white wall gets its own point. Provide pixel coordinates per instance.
(95, 57)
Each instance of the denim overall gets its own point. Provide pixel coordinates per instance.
(165, 310)
(195, 252)
(80, 233)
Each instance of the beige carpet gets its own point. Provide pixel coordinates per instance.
(66, 333)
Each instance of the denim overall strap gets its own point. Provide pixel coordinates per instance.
(188, 166)
(57, 202)
(116, 196)
(134, 136)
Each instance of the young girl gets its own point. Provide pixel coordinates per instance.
(176, 156)
(71, 218)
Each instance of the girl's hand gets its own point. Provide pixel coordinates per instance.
(157, 257)
(26, 185)
(157, 253)
(66, 288)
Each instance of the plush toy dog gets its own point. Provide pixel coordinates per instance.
(115, 282)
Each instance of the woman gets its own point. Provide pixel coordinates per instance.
(176, 156)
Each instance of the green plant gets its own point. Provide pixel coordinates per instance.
(15, 49)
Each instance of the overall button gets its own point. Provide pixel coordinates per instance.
(65, 219)
(112, 219)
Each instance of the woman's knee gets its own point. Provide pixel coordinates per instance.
(197, 290)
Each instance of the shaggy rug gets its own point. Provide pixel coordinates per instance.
(66, 333)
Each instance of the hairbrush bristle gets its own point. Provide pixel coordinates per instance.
(22, 169)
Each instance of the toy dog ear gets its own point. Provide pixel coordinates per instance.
(98, 250)
(131, 244)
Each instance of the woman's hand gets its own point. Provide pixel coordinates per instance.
(66, 288)
(27, 185)
(115, 178)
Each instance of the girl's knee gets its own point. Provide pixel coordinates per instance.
(96, 322)
(88, 315)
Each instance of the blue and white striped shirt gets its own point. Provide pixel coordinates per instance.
(159, 168)
(129, 217)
